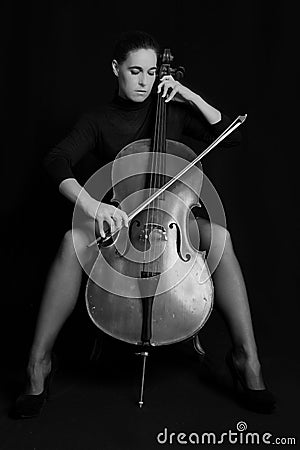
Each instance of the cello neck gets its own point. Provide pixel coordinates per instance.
(158, 178)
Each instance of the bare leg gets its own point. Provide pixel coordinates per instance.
(232, 301)
(59, 299)
(63, 286)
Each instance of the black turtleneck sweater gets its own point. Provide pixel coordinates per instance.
(106, 131)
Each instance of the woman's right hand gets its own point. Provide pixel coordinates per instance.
(103, 212)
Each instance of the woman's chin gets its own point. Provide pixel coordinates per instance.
(139, 96)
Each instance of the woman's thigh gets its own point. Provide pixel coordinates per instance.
(204, 236)
(76, 243)
(208, 236)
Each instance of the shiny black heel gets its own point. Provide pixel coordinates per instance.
(258, 400)
(29, 405)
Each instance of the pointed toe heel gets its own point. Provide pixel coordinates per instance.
(30, 405)
(258, 400)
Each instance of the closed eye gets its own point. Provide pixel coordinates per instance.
(137, 70)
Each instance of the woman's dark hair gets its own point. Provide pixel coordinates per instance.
(133, 40)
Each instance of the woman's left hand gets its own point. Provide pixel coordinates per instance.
(171, 88)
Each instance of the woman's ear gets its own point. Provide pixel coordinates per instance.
(115, 67)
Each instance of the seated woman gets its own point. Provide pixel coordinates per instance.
(129, 117)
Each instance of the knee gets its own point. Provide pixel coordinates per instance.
(220, 238)
(74, 243)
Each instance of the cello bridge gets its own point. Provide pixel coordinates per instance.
(149, 228)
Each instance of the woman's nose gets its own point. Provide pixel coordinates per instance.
(142, 79)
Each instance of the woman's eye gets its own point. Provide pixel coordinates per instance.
(152, 74)
(134, 72)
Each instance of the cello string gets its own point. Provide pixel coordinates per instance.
(160, 163)
(163, 172)
(157, 166)
(156, 151)
(152, 182)
(156, 170)
(156, 161)
(154, 145)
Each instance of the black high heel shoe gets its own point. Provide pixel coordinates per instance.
(258, 400)
(30, 405)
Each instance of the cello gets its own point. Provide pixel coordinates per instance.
(149, 286)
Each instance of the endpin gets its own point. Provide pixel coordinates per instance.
(144, 355)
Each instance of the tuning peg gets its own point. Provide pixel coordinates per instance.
(179, 72)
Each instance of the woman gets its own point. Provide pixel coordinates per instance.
(129, 117)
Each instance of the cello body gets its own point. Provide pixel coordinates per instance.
(150, 285)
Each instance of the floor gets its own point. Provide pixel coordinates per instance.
(94, 405)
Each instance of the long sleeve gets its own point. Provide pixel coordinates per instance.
(196, 126)
(61, 159)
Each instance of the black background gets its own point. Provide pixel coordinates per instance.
(239, 55)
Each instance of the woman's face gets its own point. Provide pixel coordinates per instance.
(136, 74)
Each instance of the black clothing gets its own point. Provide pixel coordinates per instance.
(106, 131)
